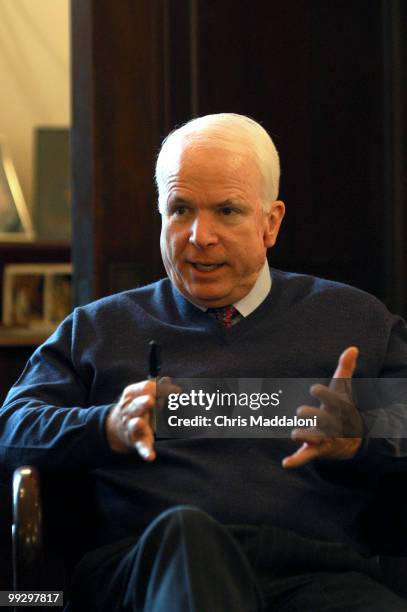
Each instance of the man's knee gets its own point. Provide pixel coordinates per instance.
(184, 518)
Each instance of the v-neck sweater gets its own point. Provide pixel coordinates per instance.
(54, 416)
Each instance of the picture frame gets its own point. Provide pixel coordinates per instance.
(36, 297)
(15, 219)
(52, 210)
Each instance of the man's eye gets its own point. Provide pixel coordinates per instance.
(227, 211)
(179, 211)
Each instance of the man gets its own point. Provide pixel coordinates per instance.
(263, 524)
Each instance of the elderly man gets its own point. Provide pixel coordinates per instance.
(216, 524)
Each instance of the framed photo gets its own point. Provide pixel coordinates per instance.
(36, 296)
(15, 220)
(52, 185)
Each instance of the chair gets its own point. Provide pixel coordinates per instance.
(36, 550)
(43, 554)
(27, 540)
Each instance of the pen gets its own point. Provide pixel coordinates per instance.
(153, 370)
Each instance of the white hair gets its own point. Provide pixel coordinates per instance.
(233, 132)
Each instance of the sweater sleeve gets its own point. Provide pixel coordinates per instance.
(384, 447)
(46, 419)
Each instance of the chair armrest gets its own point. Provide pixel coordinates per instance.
(27, 529)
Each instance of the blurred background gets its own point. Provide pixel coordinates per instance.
(34, 76)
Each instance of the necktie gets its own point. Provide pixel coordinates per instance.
(224, 314)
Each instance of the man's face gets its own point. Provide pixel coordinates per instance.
(214, 233)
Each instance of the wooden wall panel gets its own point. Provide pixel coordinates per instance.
(117, 85)
(310, 71)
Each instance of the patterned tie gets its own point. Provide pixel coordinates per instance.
(224, 314)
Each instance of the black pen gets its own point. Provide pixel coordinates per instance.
(153, 370)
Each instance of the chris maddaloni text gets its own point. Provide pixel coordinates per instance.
(255, 420)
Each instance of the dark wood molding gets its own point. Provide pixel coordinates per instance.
(84, 235)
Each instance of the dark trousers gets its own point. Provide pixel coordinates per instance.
(185, 561)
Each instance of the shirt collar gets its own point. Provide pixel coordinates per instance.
(256, 295)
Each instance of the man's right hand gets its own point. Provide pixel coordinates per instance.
(128, 424)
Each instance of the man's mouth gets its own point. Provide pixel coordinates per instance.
(206, 267)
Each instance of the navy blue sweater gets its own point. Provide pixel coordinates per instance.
(54, 416)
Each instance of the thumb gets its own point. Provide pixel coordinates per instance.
(305, 453)
(344, 370)
(347, 363)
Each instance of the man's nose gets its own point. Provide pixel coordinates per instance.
(203, 232)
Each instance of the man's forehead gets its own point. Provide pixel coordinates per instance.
(191, 157)
(213, 169)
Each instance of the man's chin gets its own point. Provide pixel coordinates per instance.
(206, 299)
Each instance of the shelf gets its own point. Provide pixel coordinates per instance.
(14, 336)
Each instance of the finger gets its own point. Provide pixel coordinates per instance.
(164, 379)
(347, 363)
(145, 387)
(344, 370)
(164, 387)
(139, 406)
(325, 423)
(140, 437)
(303, 455)
(311, 435)
(139, 428)
(136, 426)
(165, 382)
(334, 400)
(145, 451)
(310, 412)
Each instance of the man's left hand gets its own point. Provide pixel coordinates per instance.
(337, 416)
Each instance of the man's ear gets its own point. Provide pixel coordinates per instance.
(273, 222)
